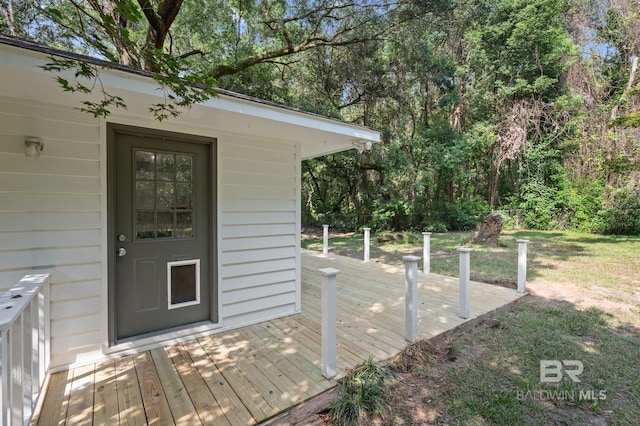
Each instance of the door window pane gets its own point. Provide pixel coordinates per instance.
(145, 225)
(164, 167)
(144, 195)
(145, 161)
(164, 195)
(184, 226)
(183, 168)
(183, 196)
(164, 202)
(165, 224)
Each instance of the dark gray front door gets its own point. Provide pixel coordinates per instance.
(163, 233)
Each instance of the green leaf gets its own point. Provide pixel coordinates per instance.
(55, 12)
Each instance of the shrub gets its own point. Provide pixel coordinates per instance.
(622, 217)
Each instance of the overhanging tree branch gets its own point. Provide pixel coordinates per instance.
(242, 65)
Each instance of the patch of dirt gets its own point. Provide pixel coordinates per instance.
(551, 294)
(423, 353)
(316, 233)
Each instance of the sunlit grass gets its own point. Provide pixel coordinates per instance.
(556, 256)
(494, 386)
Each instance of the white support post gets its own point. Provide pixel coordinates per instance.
(522, 265)
(35, 345)
(367, 241)
(426, 253)
(411, 297)
(325, 239)
(7, 386)
(17, 375)
(465, 272)
(328, 301)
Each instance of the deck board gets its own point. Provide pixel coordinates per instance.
(243, 356)
(180, 405)
(56, 403)
(153, 397)
(105, 400)
(248, 375)
(232, 407)
(250, 396)
(130, 405)
(201, 397)
(80, 410)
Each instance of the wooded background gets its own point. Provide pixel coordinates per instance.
(524, 106)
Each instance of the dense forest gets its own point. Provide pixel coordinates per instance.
(529, 107)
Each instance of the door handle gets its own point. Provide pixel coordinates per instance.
(121, 252)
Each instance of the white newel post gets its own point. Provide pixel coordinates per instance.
(328, 302)
(426, 253)
(325, 239)
(465, 272)
(522, 265)
(411, 297)
(24, 350)
(367, 241)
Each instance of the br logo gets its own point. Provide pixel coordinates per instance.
(551, 370)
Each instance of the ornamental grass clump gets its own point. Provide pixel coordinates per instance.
(361, 393)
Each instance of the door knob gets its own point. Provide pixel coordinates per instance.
(121, 252)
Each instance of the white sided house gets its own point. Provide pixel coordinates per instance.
(153, 231)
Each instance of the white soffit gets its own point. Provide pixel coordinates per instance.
(22, 78)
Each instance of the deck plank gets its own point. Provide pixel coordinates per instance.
(250, 396)
(56, 403)
(357, 344)
(290, 379)
(240, 351)
(288, 389)
(311, 340)
(305, 359)
(383, 331)
(180, 405)
(154, 399)
(80, 410)
(129, 398)
(105, 400)
(201, 397)
(288, 362)
(231, 405)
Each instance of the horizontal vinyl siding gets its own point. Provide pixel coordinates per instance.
(258, 229)
(50, 216)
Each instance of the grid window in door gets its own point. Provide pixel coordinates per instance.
(183, 283)
(164, 204)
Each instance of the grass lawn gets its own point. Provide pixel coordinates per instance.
(584, 305)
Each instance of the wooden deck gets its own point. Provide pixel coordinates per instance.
(248, 375)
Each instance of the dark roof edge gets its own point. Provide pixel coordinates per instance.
(30, 45)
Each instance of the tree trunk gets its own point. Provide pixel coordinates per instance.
(126, 52)
(632, 77)
(159, 23)
(488, 231)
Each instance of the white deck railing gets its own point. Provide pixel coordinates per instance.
(24, 346)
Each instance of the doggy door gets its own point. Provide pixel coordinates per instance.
(183, 283)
